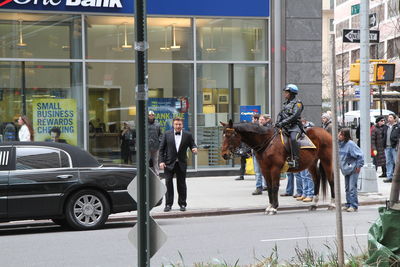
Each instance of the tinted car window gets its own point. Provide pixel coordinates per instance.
(37, 158)
(64, 160)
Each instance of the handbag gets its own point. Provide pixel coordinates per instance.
(249, 166)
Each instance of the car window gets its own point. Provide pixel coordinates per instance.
(64, 160)
(37, 158)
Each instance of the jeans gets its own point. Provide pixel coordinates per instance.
(351, 190)
(308, 184)
(299, 183)
(290, 184)
(260, 182)
(390, 154)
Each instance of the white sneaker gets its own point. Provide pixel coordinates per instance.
(345, 208)
(351, 209)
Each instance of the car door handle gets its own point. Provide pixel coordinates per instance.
(65, 176)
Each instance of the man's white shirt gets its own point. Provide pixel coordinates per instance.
(178, 139)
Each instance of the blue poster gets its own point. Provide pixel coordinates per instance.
(166, 109)
(247, 112)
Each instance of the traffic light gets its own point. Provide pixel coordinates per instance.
(384, 72)
(355, 72)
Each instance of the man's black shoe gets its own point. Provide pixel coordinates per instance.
(265, 188)
(182, 208)
(383, 175)
(387, 180)
(167, 208)
(239, 178)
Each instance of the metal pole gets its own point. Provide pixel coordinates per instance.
(395, 190)
(335, 157)
(343, 123)
(380, 100)
(277, 57)
(231, 94)
(141, 47)
(368, 172)
(23, 88)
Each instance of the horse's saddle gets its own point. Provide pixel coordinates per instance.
(303, 141)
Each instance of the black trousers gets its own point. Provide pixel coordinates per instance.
(242, 166)
(180, 185)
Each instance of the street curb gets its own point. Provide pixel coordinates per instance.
(224, 211)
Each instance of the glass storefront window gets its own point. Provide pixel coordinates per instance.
(170, 38)
(111, 89)
(110, 37)
(24, 35)
(213, 102)
(231, 39)
(171, 94)
(49, 93)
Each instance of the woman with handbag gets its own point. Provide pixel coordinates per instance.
(351, 161)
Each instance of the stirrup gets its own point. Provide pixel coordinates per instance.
(293, 163)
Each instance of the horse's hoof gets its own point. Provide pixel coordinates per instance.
(312, 208)
(331, 207)
(272, 211)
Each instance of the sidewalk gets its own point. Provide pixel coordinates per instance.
(223, 195)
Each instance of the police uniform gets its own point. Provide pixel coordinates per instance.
(289, 119)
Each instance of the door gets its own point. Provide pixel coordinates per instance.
(6, 163)
(221, 90)
(37, 184)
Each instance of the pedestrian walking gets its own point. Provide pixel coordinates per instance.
(154, 139)
(391, 134)
(25, 133)
(173, 159)
(378, 144)
(351, 161)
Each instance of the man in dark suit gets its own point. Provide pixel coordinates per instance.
(173, 160)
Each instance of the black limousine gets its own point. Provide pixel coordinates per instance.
(44, 180)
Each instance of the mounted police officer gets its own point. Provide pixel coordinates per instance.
(289, 120)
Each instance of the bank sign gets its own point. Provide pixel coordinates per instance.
(252, 8)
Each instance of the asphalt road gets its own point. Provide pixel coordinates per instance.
(246, 237)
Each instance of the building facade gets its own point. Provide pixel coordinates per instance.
(70, 64)
(388, 24)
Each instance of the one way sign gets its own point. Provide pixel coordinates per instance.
(353, 36)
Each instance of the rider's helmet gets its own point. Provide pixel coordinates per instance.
(291, 88)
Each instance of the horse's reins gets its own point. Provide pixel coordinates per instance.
(262, 146)
(269, 142)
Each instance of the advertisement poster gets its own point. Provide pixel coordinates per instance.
(247, 112)
(166, 109)
(59, 113)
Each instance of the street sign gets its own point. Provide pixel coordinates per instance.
(355, 9)
(353, 36)
(157, 191)
(372, 20)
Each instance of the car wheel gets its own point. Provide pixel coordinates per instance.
(87, 210)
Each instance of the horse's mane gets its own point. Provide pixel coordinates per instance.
(251, 127)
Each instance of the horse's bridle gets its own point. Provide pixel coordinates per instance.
(230, 146)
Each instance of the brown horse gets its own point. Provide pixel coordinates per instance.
(271, 155)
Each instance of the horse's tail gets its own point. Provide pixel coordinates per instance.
(323, 180)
